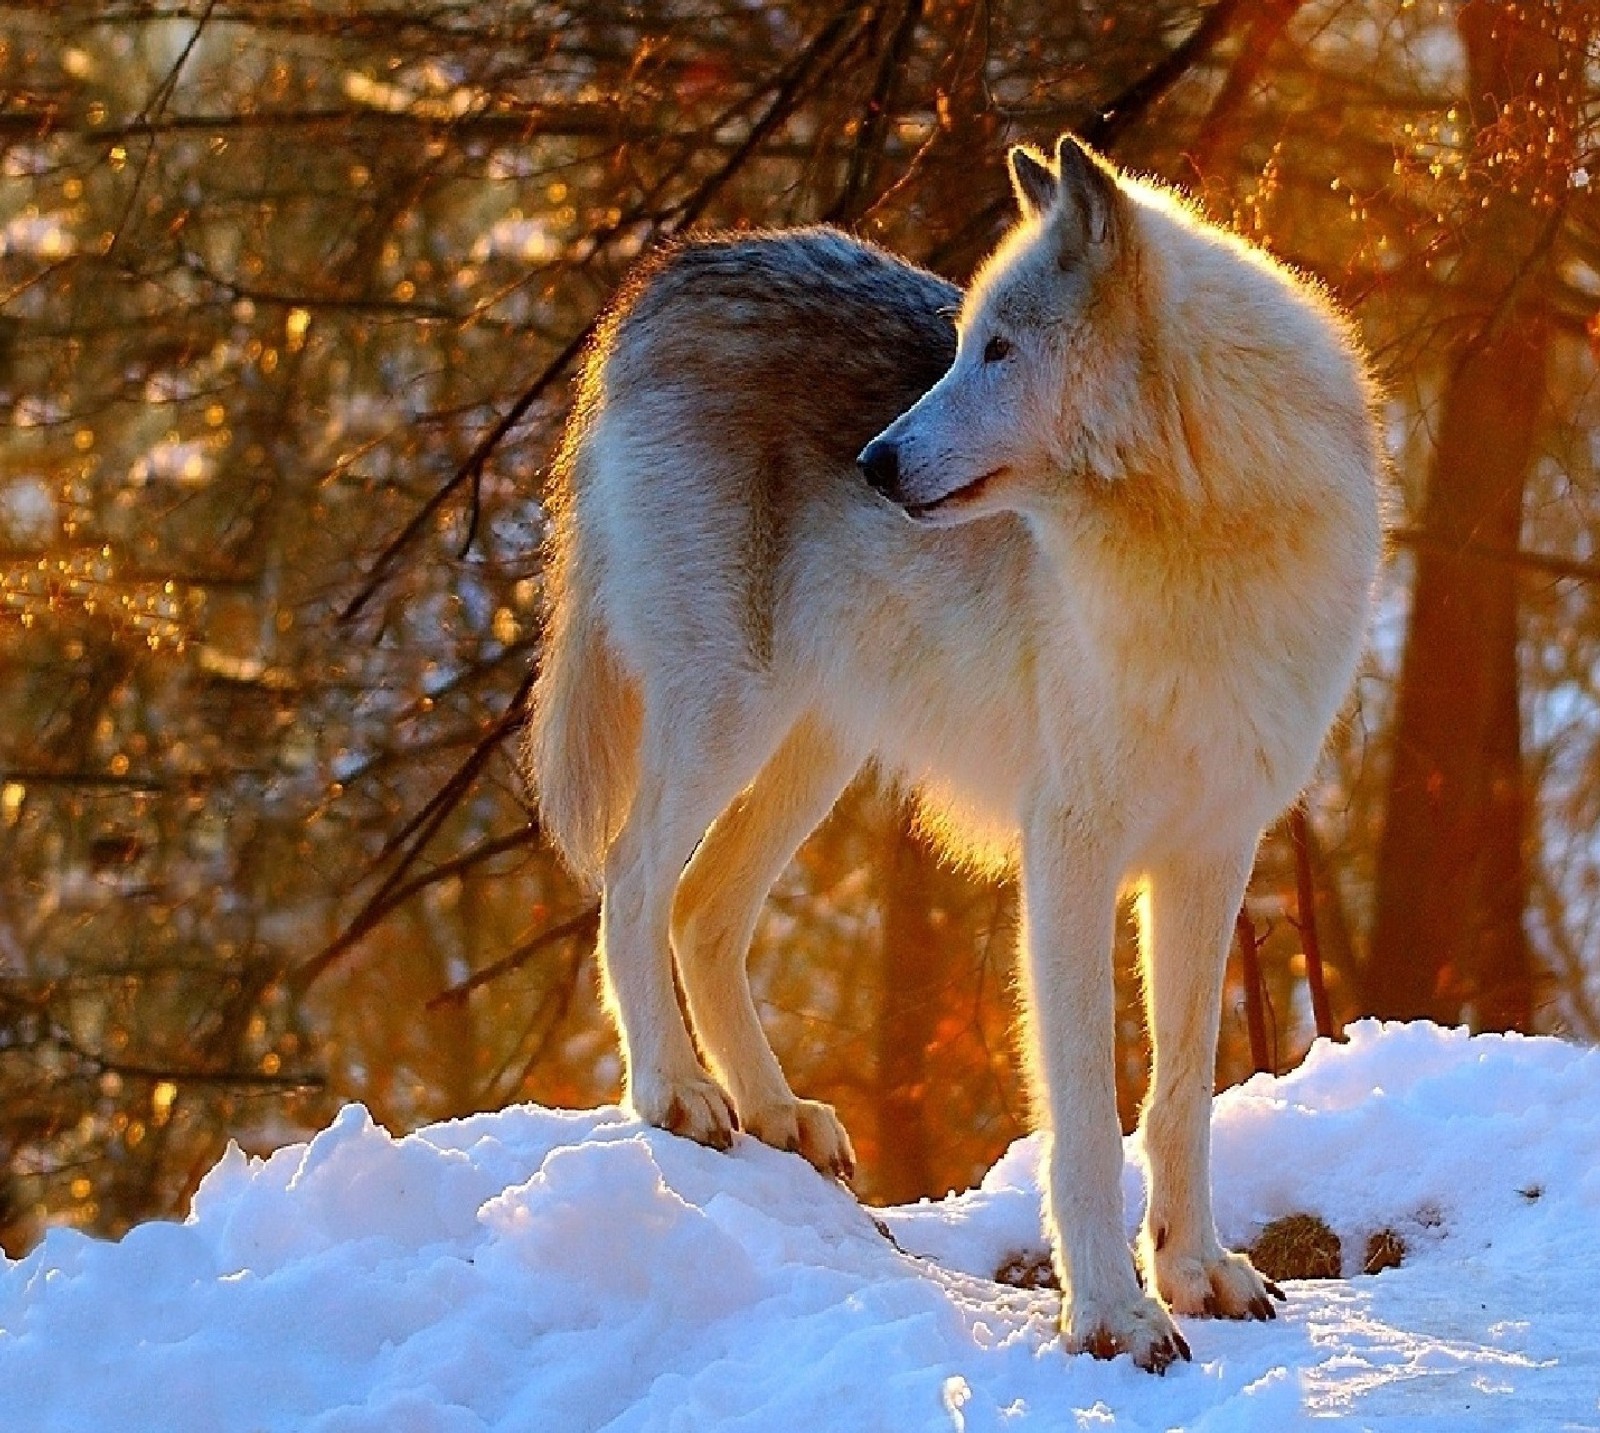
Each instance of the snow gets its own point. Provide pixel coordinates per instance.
(572, 1270)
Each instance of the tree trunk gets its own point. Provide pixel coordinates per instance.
(915, 974)
(1448, 940)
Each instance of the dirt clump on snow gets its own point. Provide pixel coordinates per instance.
(1385, 1250)
(1298, 1246)
(1027, 1269)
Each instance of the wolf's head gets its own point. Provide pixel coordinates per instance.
(1048, 351)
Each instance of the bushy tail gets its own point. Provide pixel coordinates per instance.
(580, 749)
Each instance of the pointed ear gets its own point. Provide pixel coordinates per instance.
(1090, 200)
(1033, 181)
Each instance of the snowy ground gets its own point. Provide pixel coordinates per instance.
(539, 1270)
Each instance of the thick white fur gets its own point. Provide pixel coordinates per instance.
(1115, 682)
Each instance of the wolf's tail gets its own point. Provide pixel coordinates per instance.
(580, 749)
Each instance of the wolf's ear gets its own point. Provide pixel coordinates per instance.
(1033, 181)
(1090, 200)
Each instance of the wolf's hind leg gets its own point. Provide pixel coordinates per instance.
(1187, 917)
(682, 786)
(714, 917)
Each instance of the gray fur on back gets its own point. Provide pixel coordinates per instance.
(862, 333)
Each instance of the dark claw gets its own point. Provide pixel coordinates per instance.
(676, 1116)
(1276, 1292)
(844, 1169)
(1210, 1306)
(1261, 1308)
(733, 1118)
(1168, 1352)
(792, 1144)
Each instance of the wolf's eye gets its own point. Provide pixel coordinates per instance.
(996, 349)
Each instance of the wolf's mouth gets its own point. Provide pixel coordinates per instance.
(960, 497)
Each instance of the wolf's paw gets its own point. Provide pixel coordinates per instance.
(1140, 1328)
(808, 1128)
(695, 1107)
(1214, 1284)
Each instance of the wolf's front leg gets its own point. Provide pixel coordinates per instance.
(1069, 892)
(1187, 918)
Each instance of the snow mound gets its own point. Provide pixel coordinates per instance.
(568, 1271)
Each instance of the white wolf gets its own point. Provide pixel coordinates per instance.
(1099, 614)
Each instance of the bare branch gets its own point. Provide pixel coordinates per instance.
(583, 926)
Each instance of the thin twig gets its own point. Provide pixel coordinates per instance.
(1306, 909)
(1250, 972)
(1103, 128)
(179, 1075)
(790, 89)
(585, 924)
(470, 470)
(152, 110)
(868, 149)
(1568, 568)
(1105, 125)
(419, 833)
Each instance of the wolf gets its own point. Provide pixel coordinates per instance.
(1082, 557)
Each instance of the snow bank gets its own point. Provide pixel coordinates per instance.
(537, 1270)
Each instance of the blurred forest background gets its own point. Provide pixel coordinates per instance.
(290, 292)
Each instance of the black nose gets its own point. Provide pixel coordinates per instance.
(880, 466)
